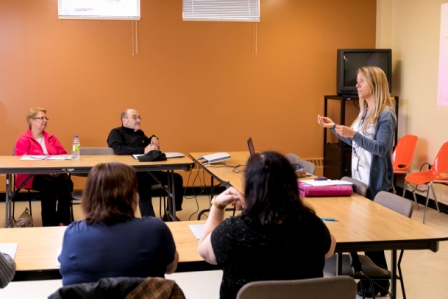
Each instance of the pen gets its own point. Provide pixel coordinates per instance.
(329, 219)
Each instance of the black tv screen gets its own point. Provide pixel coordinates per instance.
(350, 60)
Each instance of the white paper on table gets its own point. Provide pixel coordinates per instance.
(45, 157)
(9, 248)
(326, 182)
(197, 229)
(174, 155)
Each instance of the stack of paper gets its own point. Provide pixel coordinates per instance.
(217, 157)
(45, 157)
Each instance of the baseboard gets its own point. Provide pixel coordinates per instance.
(422, 200)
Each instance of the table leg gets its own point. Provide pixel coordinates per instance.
(173, 193)
(7, 200)
(338, 263)
(212, 180)
(393, 274)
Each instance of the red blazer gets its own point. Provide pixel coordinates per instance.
(27, 145)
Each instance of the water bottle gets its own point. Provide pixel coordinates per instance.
(76, 148)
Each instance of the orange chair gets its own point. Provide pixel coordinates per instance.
(438, 174)
(403, 155)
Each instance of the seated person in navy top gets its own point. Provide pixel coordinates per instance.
(276, 237)
(111, 242)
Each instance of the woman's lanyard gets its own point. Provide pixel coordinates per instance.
(362, 119)
(359, 129)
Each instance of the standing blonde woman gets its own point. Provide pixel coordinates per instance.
(53, 187)
(371, 136)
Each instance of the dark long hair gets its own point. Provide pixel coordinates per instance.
(110, 194)
(271, 191)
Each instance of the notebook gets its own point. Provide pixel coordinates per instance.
(250, 145)
(216, 157)
(167, 154)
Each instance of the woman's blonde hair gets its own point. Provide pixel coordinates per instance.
(32, 114)
(377, 81)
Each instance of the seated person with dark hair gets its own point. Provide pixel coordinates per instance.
(277, 237)
(129, 140)
(111, 242)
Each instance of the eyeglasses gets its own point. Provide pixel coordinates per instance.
(135, 117)
(41, 118)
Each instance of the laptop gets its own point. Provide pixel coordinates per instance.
(250, 145)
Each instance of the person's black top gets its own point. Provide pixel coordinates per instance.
(125, 141)
(276, 252)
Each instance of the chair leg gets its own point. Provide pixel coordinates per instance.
(30, 205)
(435, 197)
(29, 202)
(72, 216)
(393, 189)
(426, 205)
(415, 199)
(162, 199)
(373, 290)
(413, 194)
(160, 206)
(401, 274)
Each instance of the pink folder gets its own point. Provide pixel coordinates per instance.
(319, 191)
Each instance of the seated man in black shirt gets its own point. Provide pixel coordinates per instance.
(128, 140)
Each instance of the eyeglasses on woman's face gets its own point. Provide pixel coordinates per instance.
(41, 118)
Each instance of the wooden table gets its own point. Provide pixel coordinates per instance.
(36, 257)
(228, 173)
(362, 225)
(10, 165)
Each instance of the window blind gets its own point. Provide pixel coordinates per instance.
(221, 10)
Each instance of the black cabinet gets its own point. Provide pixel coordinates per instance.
(337, 154)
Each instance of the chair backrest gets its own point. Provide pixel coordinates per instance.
(358, 186)
(440, 165)
(121, 287)
(404, 153)
(395, 203)
(338, 287)
(309, 167)
(97, 151)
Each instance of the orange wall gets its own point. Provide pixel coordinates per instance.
(195, 84)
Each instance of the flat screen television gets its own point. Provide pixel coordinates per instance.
(350, 60)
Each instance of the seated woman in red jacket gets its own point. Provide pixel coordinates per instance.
(53, 187)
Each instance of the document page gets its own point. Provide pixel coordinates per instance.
(197, 229)
(9, 248)
(45, 157)
(326, 182)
